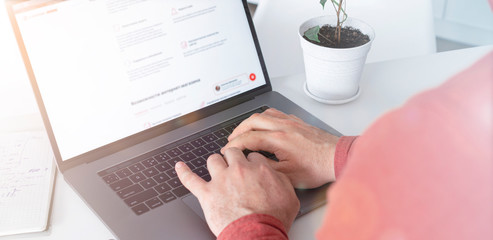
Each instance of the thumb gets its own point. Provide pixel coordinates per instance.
(281, 166)
(287, 169)
(189, 179)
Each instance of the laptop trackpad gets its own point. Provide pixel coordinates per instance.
(192, 202)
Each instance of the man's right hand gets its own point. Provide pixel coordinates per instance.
(305, 153)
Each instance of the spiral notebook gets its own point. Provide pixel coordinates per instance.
(27, 173)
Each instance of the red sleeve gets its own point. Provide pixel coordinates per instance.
(254, 226)
(342, 152)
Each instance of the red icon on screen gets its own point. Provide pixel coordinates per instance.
(253, 77)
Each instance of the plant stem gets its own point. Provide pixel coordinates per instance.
(338, 27)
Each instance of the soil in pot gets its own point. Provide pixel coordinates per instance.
(350, 37)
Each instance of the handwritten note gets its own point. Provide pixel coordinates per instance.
(26, 181)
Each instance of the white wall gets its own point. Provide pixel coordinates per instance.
(465, 21)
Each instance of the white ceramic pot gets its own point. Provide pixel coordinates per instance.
(333, 74)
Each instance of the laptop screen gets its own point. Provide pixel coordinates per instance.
(108, 69)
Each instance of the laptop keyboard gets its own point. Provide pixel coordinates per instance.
(150, 181)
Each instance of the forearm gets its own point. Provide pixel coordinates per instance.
(254, 226)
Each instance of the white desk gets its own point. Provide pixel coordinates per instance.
(385, 86)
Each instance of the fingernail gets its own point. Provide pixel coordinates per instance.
(178, 165)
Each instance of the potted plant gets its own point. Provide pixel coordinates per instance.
(334, 55)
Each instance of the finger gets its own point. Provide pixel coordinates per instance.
(278, 114)
(275, 113)
(256, 157)
(215, 164)
(294, 117)
(285, 179)
(257, 122)
(257, 141)
(189, 179)
(286, 170)
(281, 166)
(234, 156)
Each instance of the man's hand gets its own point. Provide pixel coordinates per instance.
(240, 186)
(305, 153)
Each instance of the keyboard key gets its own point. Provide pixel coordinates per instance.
(154, 203)
(222, 142)
(110, 178)
(230, 128)
(140, 209)
(212, 147)
(162, 188)
(127, 192)
(161, 178)
(198, 142)
(221, 133)
(246, 152)
(210, 138)
(150, 162)
(123, 173)
(171, 173)
(201, 171)
(198, 162)
(136, 168)
(137, 177)
(150, 172)
(140, 197)
(173, 161)
(200, 151)
(187, 147)
(148, 183)
(167, 197)
(174, 183)
(175, 152)
(267, 154)
(117, 186)
(207, 178)
(163, 167)
(180, 191)
(186, 157)
(162, 157)
(190, 165)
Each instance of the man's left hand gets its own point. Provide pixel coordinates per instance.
(241, 186)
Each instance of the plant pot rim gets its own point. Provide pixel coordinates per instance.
(371, 34)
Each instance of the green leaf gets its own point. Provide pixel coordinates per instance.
(323, 3)
(312, 33)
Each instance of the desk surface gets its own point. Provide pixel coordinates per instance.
(385, 86)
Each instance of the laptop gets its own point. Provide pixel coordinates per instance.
(127, 88)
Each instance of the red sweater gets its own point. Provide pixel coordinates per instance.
(423, 171)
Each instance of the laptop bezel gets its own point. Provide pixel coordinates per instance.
(145, 135)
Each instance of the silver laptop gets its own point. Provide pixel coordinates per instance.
(129, 87)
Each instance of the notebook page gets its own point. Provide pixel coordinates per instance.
(27, 172)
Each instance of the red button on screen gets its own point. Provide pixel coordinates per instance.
(253, 77)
